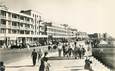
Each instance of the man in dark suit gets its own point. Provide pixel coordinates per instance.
(34, 57)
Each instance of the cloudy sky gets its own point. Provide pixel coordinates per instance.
(85, 15)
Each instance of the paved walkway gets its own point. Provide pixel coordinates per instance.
(56, 65)
(25, 64)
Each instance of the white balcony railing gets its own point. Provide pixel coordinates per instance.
(15, 19)
(2, 26)
(15, 27)
(2, 17)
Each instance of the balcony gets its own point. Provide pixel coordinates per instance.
(15, 27)
(15, 19)
(28, 22)
(2, 17)
(41, 29)
(27, 28)
(22, 28)
(41, 25)
(22, 21)
(2, 26)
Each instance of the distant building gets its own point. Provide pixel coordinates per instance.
(82, 35)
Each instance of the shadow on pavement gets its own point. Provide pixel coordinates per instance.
(73, 66)
(19, 66)
(61, 58)
(76, 69)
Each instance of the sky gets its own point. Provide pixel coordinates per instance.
(85, 15)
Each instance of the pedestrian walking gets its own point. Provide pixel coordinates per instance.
(39, 54)
(2, 67)
(83, 51)
(42, 65)
(64, 50)
(75, 52)
(34, 57)
(59, 49)
(80, 52)
(70, 51)
(47, 65)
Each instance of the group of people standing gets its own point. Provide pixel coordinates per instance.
(42, 59)
(71, 50)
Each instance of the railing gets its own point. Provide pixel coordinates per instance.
(2, 26)
(3, 17)
(15, 27)
(15, 19)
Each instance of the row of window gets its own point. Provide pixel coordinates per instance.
(16, 16)
(56, 30)
(2, 30)
(57, 34)
(3, 22)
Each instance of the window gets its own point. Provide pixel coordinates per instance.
(14, 24)
(3, 30)
(32, 32)
(3, 13)
(9, 31)
(27, 19)
(27, 32)
(3, 22)
(21, 32)
(21, 24)
(22, 18)
(9, 23)
(14, 31)
(14, 16)
(27, 25)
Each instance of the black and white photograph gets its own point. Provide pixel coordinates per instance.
(57, 35)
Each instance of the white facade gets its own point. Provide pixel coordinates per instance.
(29, 25)
(59, 31)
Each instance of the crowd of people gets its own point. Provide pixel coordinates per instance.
(71, 49)
(67, 50)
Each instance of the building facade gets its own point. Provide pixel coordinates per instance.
(28, 26)
(15, 26)
(82, 35)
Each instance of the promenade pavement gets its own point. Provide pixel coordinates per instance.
(56, 65)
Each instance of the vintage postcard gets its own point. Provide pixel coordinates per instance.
(57, 35)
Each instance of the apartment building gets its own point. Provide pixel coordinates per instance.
(28, 26)
(58, 31)
(15, 26)
(82, 35)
